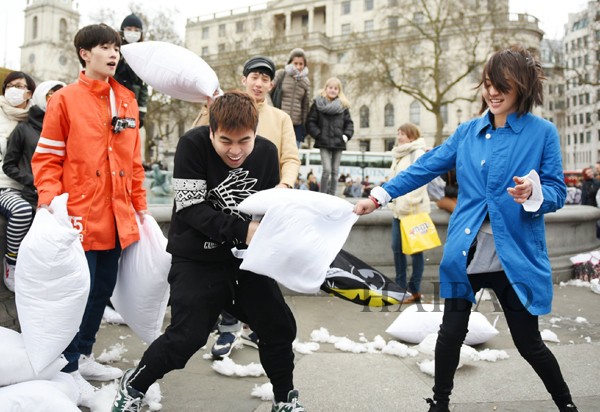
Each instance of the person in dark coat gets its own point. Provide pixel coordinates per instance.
(23, 141)
(132, 31)
(330, 124)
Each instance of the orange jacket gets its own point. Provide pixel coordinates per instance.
(79, 153)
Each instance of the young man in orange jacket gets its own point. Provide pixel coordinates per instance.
(90, 148)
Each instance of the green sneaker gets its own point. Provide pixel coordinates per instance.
(127, 399)
(291, 405)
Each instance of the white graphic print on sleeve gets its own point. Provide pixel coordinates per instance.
(188, 192)
(231, 191)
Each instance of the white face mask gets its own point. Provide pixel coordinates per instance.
(14, 96)
(132, 36)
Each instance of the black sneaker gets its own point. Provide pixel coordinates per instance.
(291, 405)
(127, 399)
(436, 407)
(249, 337)
(224, 344)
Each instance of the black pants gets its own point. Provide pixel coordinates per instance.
(523, 329)
(199, 291)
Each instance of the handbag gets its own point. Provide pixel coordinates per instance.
(277, 92)
(418, 233)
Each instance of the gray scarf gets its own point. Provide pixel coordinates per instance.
(292, 71)
(326, 106)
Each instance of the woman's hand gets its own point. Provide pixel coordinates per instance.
(522, 190)
(364, 207)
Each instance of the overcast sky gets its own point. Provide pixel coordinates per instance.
(553, 14)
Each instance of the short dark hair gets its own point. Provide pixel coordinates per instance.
(515, 66)
(234, 110)
(94, 35)
(19, 75)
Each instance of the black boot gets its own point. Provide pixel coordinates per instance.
(438, 406)
(569, 408)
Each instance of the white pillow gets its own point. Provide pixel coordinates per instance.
(52, 283)
(260, 202)
(142, 290)
(58, 394)
(172, 70)
(15, 366)
(298, 238)
(418, 321)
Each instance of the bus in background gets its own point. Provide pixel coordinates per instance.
(573, 177)
(353, 164)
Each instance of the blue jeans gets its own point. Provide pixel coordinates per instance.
(418, 262)
(300, 133)
(330, 159)
(103, 266)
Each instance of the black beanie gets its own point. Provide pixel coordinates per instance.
(132, 21)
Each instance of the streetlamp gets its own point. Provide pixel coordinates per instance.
(458, 116)
(363, 149)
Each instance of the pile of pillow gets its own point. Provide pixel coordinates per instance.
(417, 321)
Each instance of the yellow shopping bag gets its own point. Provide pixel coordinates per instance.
(418, 233)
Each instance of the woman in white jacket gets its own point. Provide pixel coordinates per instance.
(409, 147)
(17, 89)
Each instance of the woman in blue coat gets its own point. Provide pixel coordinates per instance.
(509, 174)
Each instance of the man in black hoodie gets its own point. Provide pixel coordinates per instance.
(216, 167)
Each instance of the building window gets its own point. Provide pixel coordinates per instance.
(222, 30)
(415, 113)
(304, 20)
(205, 33)
(418, 18)
(368, 25)
(221, 47)
(392, 3)
(444, 113)
(364, 117)
(369, 5)
(238, 45)
(63, 34)
(346, 7)
(34, 27)
(392, 22)
(257, 23)
(239, 27)
(389, 144)
(588, 137)
(205, 51)
(346, 29)
(388, 115)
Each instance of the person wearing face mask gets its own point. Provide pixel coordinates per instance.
(132, 31)
(294, 85)
(24, 139)
(17, 90)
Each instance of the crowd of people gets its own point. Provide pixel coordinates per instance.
(241, 144)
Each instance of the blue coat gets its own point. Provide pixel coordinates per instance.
(486, 161)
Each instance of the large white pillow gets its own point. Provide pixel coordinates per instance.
(52, 283)
(142, 290)
(172, 70)
(58, 394)
(417, 321)
(14, 361)
(298, 237)
(260, 202)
